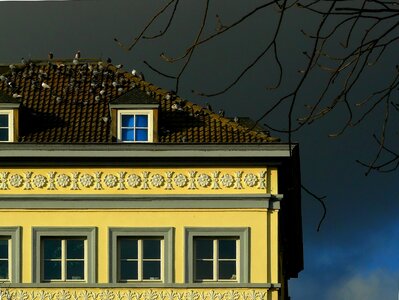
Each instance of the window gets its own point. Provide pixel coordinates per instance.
(64, 254)
(5, 259)
(10, 254)
(6, 126)
(140, 259)
(141, 254)
(215, 259)
(217, 255)
(63, 259)
(135, 126)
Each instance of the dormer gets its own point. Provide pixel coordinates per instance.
(9, 108)
(135, 117)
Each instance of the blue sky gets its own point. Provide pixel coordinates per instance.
(355, 255)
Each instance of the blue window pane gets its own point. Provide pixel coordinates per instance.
(204, 249)
(75, 249)
(3, 249)
(227, 249)
(128, 270)
(203, 270)
(141, 134)
(127, 121)
(227, 270)
(127, 134)
(151, 270)
(3, 134)
(75, 270)
(128, 249)
(3, 120)
(52, 249)
(3, 269)
(141, 121)
(152, 249)
(52, 270)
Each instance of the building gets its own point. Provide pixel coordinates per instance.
(114, 189)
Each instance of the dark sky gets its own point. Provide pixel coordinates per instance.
(355, 255)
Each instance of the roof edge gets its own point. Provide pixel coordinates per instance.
(129, 150)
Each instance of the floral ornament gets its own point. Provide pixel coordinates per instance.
(39, 181)
(16, 180)
(63, 180)
(204, 180)
(251, 180)
(110, 180)
(133, 180)
(157, 180)
(227, 180)
(86, 180)
(181, 180)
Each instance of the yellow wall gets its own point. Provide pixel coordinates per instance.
(263, 247)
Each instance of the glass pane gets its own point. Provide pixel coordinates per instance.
(128, 270)
(52, 270)
(4, 269)
(3, 248)
(3, 120)
(52, 248)
(3, 134)
(227, 270)
(203, 248)
(151, 249)
(127, 134)
(227, 249)
(152, 270)
(128, 249)
(203, 270)
(142, 135)
(75, 270)
(127, 120)
(141, 121)
(75, 249)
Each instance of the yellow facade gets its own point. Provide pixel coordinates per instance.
(197, 183)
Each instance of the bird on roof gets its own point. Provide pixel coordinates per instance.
(50, 55)
(15, 95)
(45, 85)
(109, 60)
(208, 106)
(221, 113)
(77, 54)
(119, 66)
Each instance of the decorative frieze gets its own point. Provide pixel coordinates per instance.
(135, 180)
(148, 294)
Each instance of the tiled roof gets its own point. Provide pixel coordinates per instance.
(66, 102)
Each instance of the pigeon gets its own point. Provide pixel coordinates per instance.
(45, 85)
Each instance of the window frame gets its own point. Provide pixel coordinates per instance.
(240, 233)
(89, 234)
(133, 112)
(13, 234)
(64, 259)
(167, 257)
(10, 114)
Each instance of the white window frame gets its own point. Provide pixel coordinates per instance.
(215, 259)
(166, 234)
(134, 112)
(8, 258)
(64, 259)
(10, 114)
(13, 235)
(89, 234)
(241, 234)
(140, 259)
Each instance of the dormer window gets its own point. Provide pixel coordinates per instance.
(6, 126)
(135, 126)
